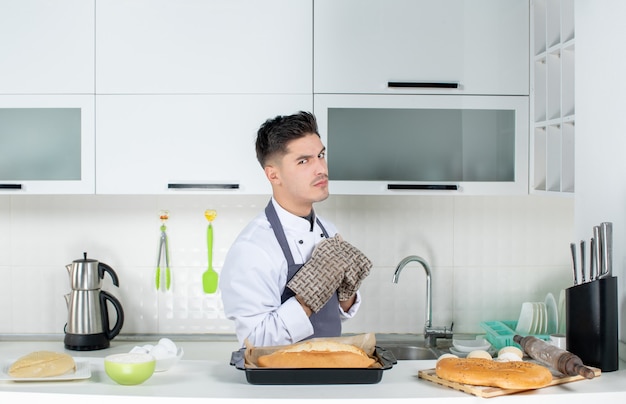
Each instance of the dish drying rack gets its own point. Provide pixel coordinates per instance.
(501, 333)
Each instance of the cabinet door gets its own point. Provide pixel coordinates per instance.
(151, 144)
(46, 46)
(362, 46)
(435, 144)
(47, 144)
(204, 46)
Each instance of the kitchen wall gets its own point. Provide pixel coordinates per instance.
(488, 255)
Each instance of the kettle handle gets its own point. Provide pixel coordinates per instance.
(111, 333)
(102, 268)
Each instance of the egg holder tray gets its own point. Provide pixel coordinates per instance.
(501, 333)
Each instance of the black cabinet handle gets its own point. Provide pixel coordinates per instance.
(10, 186)
(427, 187)
(203, 186)
(421, 84)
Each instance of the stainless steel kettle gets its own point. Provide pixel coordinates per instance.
(87, 325)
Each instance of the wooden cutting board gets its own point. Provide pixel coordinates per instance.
(487, 392)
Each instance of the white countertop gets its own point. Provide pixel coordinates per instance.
(205, 373)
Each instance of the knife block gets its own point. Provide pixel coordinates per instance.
(591, 323)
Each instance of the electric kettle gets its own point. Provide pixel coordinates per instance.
(87, 326)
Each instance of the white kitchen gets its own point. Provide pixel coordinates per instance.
(171, 94)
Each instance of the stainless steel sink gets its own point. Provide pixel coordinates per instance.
(403, 351)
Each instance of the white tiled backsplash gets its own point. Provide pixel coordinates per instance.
(488, 255)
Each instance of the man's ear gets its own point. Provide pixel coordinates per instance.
(271, 173)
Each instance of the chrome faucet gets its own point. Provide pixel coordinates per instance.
(431, 334)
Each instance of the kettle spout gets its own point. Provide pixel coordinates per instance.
(69, 269)
(67, 300)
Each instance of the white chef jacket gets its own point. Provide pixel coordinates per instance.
(254, 275)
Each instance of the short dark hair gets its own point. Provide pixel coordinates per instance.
(275, 134)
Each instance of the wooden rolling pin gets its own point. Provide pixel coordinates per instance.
(555, 357)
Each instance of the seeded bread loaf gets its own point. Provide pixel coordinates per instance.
(42, 364)
(487, 372)
(317, 354)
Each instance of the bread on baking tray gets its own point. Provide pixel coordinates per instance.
(486, 372)
(42, 364)
(317, 354)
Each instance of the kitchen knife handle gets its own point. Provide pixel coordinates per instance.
(597, 249)
(606, 231)
(421, 84)
(572, 247)
(202, 186)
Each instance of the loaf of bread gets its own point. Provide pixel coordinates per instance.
(486, 372)
(42, 364)
(317, 354)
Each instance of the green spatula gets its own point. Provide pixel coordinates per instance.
(209, 277)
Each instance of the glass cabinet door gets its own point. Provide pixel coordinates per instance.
(386, 144)
(46, 144)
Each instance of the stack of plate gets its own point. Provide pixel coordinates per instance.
(539, 317)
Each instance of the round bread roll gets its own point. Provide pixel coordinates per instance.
(479, 353)
(486, 372)
(317, 354)
(511, 349)
(42, 364)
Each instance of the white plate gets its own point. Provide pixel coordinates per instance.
(561, 329)
(469, 345)
(552, 314)
(83, 371)
(525, 321)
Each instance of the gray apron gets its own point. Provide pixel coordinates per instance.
(326, 322)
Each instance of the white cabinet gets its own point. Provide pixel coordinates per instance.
(552, 97)
(47, 144)
(425, 144)
(47, 47)
(204, 47)
(157, 144)
(421, 45)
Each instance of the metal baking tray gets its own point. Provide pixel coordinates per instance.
(315, 375)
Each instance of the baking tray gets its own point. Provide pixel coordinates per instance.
(315, 375)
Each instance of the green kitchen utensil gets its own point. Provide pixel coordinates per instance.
(209, 277)
(163, 250)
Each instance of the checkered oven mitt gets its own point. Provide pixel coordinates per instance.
(320, 277)
(358, 270)
(335, 265)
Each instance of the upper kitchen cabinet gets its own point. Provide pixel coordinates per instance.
(425, 144)
(204, 47)
(47, 47)
(47, 144)
(160, 144)
(421, 46)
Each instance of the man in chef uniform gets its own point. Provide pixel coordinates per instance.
(289, 276)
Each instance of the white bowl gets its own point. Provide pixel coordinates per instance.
(163, 364)
(469, 345)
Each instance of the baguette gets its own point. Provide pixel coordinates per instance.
(485, 372)
(42, 364)
(317, 354)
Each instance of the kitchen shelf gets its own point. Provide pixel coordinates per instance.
(552, 96)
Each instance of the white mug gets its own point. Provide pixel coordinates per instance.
(558, 340)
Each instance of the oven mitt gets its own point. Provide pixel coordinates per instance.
(319, 278)
(358, 270)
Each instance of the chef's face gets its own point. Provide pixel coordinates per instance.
(300, 177)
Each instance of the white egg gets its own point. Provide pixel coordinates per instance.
(511, 349)
(479, 353)
(159, 352)
(169, 345)
(139, 349)
(148, 347)
(508, 357)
